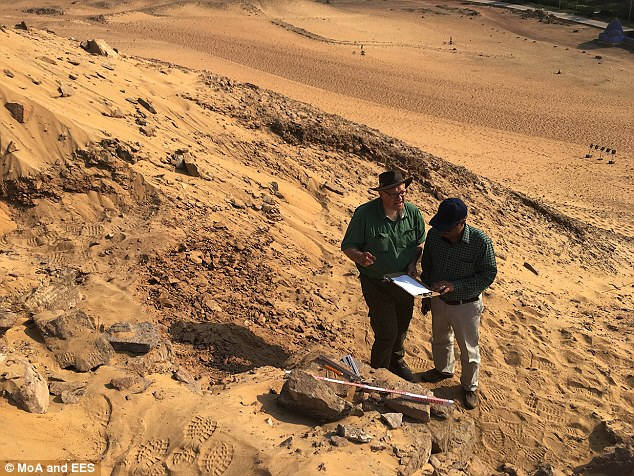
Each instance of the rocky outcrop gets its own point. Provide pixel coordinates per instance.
(22, 383)
(74, 340)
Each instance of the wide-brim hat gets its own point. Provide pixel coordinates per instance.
(450, 212)
(391, 179)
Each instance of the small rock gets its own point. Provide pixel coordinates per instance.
(337, 440)
(19, 112)
(545, 470)
(137, 338)
(131, 383)
(65, 90)
(334, 188)
(392, 420)
(21, 382)
(353, 433)
(305, 394)
(191, 167)
(287, 443)
(9, 73)
(149, 131)
(7, 321)
(99, 47)
(509, 469)
(73, 77)
(114, 113)
(530, 267)
(57, 388)
(184, 376)
(377, 447)
(147, 104)
(21, 26)
(237, 203)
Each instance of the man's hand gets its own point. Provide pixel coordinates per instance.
(425, 306)
(365, 258)
(411, 269)
(443, 287)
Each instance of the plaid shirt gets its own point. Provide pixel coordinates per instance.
(469, 264)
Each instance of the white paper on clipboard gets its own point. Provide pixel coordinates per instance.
(410, 285)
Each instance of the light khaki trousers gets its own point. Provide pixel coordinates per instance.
(463, 321)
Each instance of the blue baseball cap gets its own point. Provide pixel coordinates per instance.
(450, 212)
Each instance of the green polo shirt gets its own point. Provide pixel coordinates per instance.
(469, 264)
(393, 243)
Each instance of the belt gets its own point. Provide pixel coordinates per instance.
(461, 301)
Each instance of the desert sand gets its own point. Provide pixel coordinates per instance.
(238, 264)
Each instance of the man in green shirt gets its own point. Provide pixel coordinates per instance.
(385, 236)
(459, 263)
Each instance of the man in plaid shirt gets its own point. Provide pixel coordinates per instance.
(459, 263)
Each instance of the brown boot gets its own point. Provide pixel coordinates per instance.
(470, 399)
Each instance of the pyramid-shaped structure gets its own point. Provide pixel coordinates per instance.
(613, 33)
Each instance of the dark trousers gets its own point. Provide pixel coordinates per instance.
(390, 310)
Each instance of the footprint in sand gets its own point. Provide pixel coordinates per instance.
(146, 455)
(182, 460)
(215, 457)
(200, 429)
(155, 469)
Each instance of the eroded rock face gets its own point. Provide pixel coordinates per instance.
(457, 439)
(135, 338)
(421, 455)
(98, 47)
(304, 394)
(74, 340)
(22, 383)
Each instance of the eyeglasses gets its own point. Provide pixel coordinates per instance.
(396, 194)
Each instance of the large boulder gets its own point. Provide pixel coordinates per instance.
(21, 382)
(98, 47)
(74, 339)
(305, 394)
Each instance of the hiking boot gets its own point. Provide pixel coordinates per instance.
(434, 376)
(401, 369)
(470, 399)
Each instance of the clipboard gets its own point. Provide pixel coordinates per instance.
(410, 285)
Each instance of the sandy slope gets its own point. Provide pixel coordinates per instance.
(494, 104)
(556, 346)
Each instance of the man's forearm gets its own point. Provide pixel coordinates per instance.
(353, 254)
